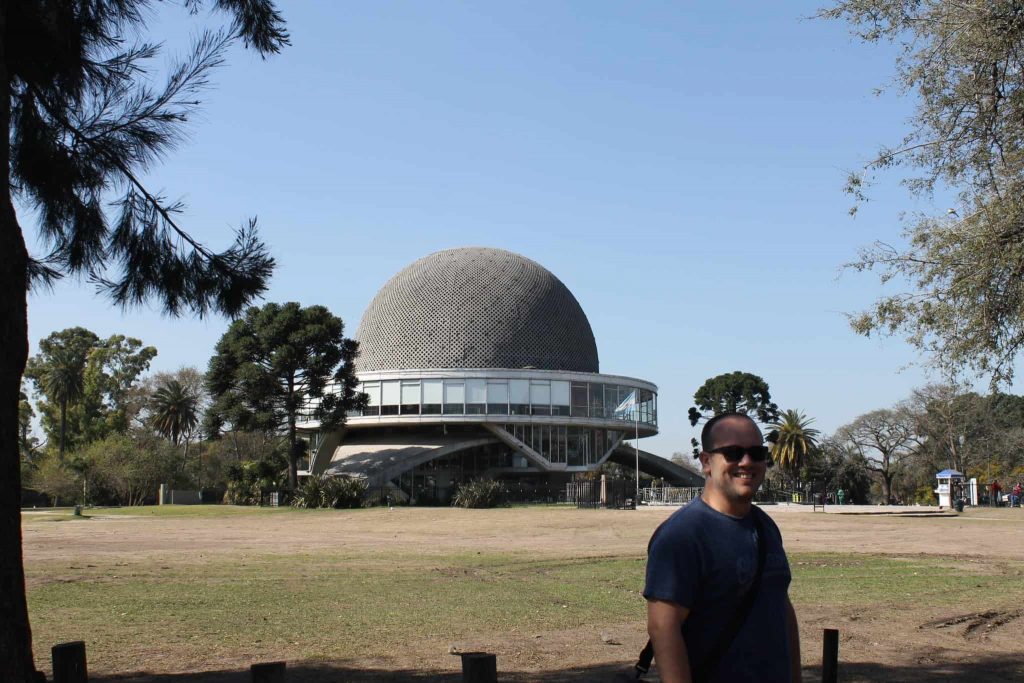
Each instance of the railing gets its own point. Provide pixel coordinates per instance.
(669, 495)
(617, 493)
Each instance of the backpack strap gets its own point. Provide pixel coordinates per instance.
(711, 662)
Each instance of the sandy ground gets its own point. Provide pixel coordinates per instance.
(892, 642)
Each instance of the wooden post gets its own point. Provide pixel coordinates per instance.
(69, 662)
(479, 667)
(269, 672)
(830, 656)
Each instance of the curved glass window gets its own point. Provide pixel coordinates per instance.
(454, 398)
(372, 391)
(501, 396)
(596, 400)
(579, 400)
(390, 396)
(497, 397)
(540, 397)
(519, 397)
(410, 398)
(476, 396)
(559, 398)
(433, 396)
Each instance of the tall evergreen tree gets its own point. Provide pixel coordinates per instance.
(277, 362)
(64, 380)
(79, 121)
(732, 392)
(58, 373)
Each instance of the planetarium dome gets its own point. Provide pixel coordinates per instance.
(475, 307)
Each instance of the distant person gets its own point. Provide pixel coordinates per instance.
(995, 490)
(841, 496)
(1016, 497)
(718, 608)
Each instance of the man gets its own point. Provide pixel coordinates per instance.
(703, 561)
(996, 490)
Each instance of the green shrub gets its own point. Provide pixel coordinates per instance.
(924, 495)
(330, 492)
(249, 481)
(242, 493)
(480, 493)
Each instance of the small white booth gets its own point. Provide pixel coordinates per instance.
(950, 487)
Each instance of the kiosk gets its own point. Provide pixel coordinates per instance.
(950, 487)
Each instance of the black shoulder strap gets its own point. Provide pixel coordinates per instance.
(710, 664)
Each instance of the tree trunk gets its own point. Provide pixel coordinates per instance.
(184, 461)
(293, 469)
(16, 663)
(63, 427)
(293, 457)
(887, 488)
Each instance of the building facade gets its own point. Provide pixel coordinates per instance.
(480, 363)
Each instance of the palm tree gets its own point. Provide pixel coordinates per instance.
(174, 411)
(63, 381)
(794, 440)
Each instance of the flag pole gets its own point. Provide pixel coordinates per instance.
(636, 448)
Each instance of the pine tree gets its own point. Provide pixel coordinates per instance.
(278, 362)
(78, 122)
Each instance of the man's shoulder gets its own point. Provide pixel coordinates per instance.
(764, 519)
(684, 522)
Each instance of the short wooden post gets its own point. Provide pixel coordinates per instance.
(830, 656)
(479, 667)
(269, 672)
(69, 662)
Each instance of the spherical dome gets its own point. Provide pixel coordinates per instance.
(475, 308)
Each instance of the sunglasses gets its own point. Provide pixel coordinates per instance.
(734, 454)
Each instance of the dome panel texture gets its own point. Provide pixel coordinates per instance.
(475, 307)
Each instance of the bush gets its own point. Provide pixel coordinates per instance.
(242, 493)
(249, 481)
(330, 492)
(480, 493)
(924, 495)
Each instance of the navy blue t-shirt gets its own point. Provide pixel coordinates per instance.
(706, 561)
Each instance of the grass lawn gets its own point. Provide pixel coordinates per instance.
(221, 606)
(342, 606)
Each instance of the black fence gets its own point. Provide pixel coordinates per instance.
(619, 494)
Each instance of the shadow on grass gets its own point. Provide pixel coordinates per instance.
(981, 669)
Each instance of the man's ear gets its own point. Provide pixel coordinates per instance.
(705, 459)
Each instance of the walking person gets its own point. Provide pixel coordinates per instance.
(718, 608)
(995, 491)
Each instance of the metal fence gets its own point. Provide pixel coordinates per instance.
(669, 495)
(619, 494)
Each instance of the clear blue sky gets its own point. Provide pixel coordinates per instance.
(678, 165)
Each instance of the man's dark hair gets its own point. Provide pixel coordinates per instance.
(706, 442)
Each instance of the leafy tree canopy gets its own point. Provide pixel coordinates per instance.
(734, 392)
(106, 371)
(274, 364)
(793, 440)
(887, 440)
(969, 432)
(963, 269)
